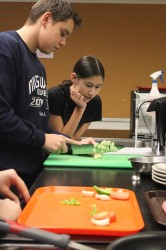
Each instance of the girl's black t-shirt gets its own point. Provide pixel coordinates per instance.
(60, 104)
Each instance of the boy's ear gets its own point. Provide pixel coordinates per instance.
(46, 18)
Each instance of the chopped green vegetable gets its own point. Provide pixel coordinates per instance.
(71, 202)
(98, 156)
(103, 147)
(94, 209)
(106, 191)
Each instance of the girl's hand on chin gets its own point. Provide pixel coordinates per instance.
(77, 98)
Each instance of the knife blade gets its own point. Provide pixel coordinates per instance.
(84, 149)
(59, 240)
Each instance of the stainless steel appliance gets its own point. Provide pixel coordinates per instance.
(146, 121)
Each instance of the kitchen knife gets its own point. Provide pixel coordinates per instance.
(84, 149)
(58, 240)
(92, 149)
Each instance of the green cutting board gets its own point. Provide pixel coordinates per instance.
(108, 161)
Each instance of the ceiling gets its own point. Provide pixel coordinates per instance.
(102, 1)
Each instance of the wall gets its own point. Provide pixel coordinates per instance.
(129, 39)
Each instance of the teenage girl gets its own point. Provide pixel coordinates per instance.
(75, 103)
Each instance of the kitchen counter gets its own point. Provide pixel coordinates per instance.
(120, 178)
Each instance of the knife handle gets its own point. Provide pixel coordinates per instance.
(61, 240)
(69, 151)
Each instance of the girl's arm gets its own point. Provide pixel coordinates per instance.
(56, 122)
(80, 132)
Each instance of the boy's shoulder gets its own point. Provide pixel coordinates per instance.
(9, 40)
(8, 35)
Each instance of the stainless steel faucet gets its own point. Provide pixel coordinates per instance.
(139, 106)
(156, 143)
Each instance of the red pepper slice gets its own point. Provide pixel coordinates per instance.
(120, 195)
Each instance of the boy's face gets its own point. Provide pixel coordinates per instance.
(53, 35)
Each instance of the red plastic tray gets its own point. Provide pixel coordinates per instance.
(45, 211)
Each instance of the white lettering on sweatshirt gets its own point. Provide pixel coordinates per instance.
(37, 82)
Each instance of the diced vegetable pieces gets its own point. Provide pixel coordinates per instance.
(98, 156)
(102, 197)
(103, 147)
(71, 202)
(120, 195)
(101, 223)
(88, 193)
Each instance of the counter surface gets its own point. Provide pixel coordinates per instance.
(120, 178)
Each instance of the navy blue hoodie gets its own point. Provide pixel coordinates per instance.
(23, 106)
